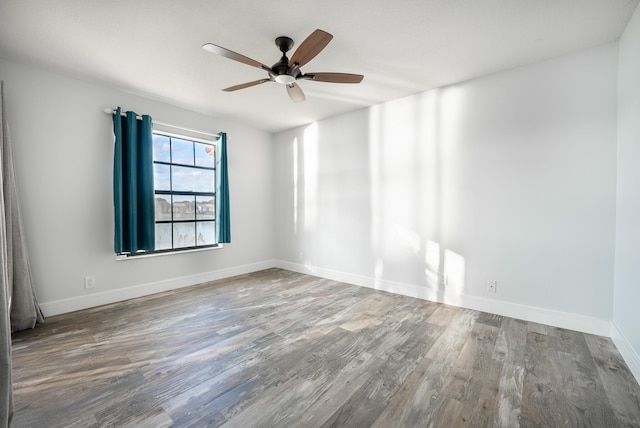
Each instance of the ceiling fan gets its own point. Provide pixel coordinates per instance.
(287, 71)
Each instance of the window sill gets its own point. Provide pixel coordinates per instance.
(165, 253)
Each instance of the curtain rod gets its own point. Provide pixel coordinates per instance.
(111, 111)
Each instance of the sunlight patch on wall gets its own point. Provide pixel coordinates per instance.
(432, 262)
(310, 162)
(375, 180)
(454, 269)
(295, 185)
(412, 146)
(451, 110)
(407, 239)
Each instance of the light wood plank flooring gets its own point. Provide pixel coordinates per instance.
(277, 348)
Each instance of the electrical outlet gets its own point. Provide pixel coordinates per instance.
(492, 285)
(445, 279)
(89, 281)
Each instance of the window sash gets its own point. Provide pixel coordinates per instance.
(176, 223)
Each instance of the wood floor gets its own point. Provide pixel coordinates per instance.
(277, 348)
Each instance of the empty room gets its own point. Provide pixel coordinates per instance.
(250, 213)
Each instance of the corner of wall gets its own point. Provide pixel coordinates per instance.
(626, 350)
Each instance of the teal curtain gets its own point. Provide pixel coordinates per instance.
(223, 217)
(133, 196)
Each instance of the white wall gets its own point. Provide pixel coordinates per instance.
(63, 151)
(626, 316)
(510, 177)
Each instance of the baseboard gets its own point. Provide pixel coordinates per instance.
(626, 350)
(72, 304)
(528, 313)
(560, 319)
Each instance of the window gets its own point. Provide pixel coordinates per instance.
(184, 192)
(165, 184)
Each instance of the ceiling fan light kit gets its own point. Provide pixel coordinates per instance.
(287, 71)
(285, 79)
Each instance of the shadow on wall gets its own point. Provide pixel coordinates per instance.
(372, 199)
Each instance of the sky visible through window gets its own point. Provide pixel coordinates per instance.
(184, 153)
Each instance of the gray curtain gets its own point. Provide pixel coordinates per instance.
(25, 312)
(6, 391)
(19, 309)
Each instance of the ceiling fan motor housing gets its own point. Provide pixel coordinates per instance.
(281, 71)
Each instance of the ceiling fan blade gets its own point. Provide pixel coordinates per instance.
(295, 93)
(310, 47)
(334, 77)
(219, 50)
(246, 85)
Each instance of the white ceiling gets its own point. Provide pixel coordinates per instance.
(152, 47)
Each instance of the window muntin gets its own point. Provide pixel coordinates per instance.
(184, 187)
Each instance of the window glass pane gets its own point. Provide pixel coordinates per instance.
(205, 155)
(163, 207)
(181, 151)
(184, 235)
(161, 177)
(206, 232)
(205, 208)
(185, 220)
(184, 207)
(161, 148)
(187, 179)
(163, 236)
